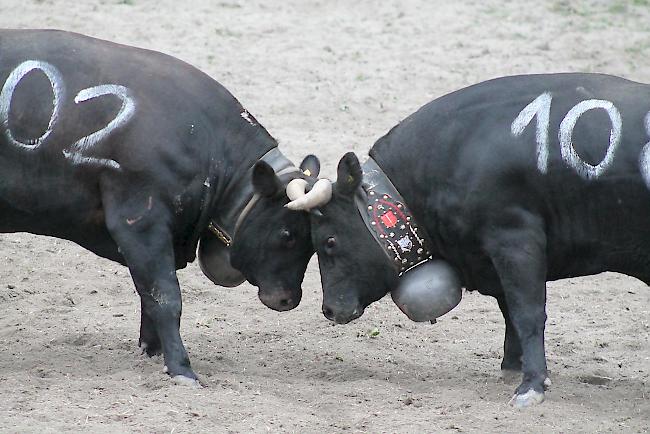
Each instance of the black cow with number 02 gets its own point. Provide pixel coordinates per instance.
(498, 187)
(140, 157)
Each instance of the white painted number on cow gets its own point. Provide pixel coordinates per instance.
(123, 116)
(7, 93)
(569, 153)
(540, 107)
(78, 151)
(644, 159)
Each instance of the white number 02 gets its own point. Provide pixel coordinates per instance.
(78, 151)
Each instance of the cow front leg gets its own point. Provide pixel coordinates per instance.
(519, 258)
(149, 340)
(147, 247)
(512, 353)
(161, 302)
(151, 262)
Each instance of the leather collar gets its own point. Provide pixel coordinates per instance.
(240, 198)
(390, 221)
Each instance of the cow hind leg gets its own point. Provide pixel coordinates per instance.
(512, 353)
(519, 258)
(145, 241)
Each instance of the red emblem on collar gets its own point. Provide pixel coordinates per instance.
(389, 219)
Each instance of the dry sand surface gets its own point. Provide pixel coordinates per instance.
(324, 77)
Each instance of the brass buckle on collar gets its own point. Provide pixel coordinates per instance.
(223, 237)
(242, 197)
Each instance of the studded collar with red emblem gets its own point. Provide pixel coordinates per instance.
(390, 221)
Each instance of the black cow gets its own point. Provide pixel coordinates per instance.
(517, 181)
(137, 156)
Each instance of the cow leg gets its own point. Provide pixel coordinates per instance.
(145, 241)
(519, 258)
(149, 340)
(511, 346)
(150, 260)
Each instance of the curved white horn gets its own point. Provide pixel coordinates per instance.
(319, 195)
(296, 188)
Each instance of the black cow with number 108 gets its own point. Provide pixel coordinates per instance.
(140, 157)
(512, 182)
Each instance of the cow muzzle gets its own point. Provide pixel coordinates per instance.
(342, 313)
(280, 299)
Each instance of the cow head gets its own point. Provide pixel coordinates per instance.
(354, 269)
(273, 245)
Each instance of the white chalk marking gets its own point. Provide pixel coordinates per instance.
(540, 107)
(9, 88)
(569, 154)
(644, 158)
(78, 159)
(248, 117)
(123, 116)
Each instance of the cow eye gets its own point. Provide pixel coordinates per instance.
(330, 243)
(287, 238)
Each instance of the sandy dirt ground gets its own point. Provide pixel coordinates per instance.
(324, 77)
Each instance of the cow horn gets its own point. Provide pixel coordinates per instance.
(319, 195)
(296, 188)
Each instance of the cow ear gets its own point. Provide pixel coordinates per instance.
(310, 166)
(265, 181)
(349, 174)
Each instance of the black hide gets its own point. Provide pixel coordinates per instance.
(518, 181)
(128, 153)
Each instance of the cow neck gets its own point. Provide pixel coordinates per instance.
(239, 197)
(390, 221)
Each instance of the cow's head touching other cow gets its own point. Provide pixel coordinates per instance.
(369, 244)
(269, 244)
(354, 269)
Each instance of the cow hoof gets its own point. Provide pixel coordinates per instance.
(527, 399)
(187, 381)
(184, 380)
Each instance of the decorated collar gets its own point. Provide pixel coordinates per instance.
(240, 198)
(390, 221)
